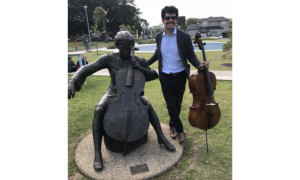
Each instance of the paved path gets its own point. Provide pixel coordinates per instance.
(220, 75)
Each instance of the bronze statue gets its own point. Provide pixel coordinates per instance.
(118, 138)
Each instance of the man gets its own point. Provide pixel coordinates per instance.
(174, 47)
(124, 42)
(86, 44)
(71, 65)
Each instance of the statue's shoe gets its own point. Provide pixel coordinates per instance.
(98, 166)
(167, 144)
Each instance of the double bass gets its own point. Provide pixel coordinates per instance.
(204, 112)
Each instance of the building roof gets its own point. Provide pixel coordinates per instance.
(203, 28)
(220, 18)
(192, 27)
(211, 27)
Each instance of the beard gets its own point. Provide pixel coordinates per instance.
(169, 23)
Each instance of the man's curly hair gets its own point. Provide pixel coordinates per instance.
(170, 10)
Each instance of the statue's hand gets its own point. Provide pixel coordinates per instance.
(135, 64)
(71, 89)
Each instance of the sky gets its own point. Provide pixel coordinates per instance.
(189, 8)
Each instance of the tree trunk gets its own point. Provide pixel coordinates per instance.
(104, 27)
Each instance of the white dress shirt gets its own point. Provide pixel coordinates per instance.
(171, 61)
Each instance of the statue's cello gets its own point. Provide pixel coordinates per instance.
(204, 112)
(126, 120)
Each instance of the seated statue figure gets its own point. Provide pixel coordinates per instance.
(124, 41)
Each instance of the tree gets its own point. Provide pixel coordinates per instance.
(144, 23)
(138, 27)
(77, 22)
(190, 21)
(98, 14)
(124, 11)
(151, 30)
(227, 46)
(117, 12)
(102, 3)
(182, 27)
(127, 27)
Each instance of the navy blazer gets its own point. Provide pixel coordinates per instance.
(185, 49)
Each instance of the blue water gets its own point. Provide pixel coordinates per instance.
(208, 46)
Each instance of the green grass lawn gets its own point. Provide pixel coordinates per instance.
(80, 45)
(195, 163)
(99, 44)
(215, 40)
(214, 65)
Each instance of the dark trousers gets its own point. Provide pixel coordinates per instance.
(72, 70)
(173, 88)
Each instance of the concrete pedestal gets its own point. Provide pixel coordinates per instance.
(116, 166)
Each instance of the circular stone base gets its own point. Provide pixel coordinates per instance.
(116, 166)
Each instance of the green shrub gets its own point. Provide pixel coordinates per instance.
(150, 41)
(193, 39)
(112, 46)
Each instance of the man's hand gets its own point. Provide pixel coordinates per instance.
(145, 60)
(206, 64)
(202, 65)
(71, 89)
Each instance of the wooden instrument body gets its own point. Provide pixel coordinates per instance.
(204, 112)
(201, 109)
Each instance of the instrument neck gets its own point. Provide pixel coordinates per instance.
(203, 54)
(130, 74)
(210, 89)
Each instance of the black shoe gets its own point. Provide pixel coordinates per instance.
(167, 144)
(98, 166)
(181, 137)
(173, 132)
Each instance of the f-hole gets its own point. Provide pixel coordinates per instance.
(118, 99)
(136, 99)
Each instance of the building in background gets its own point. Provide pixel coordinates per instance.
(209, 26)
